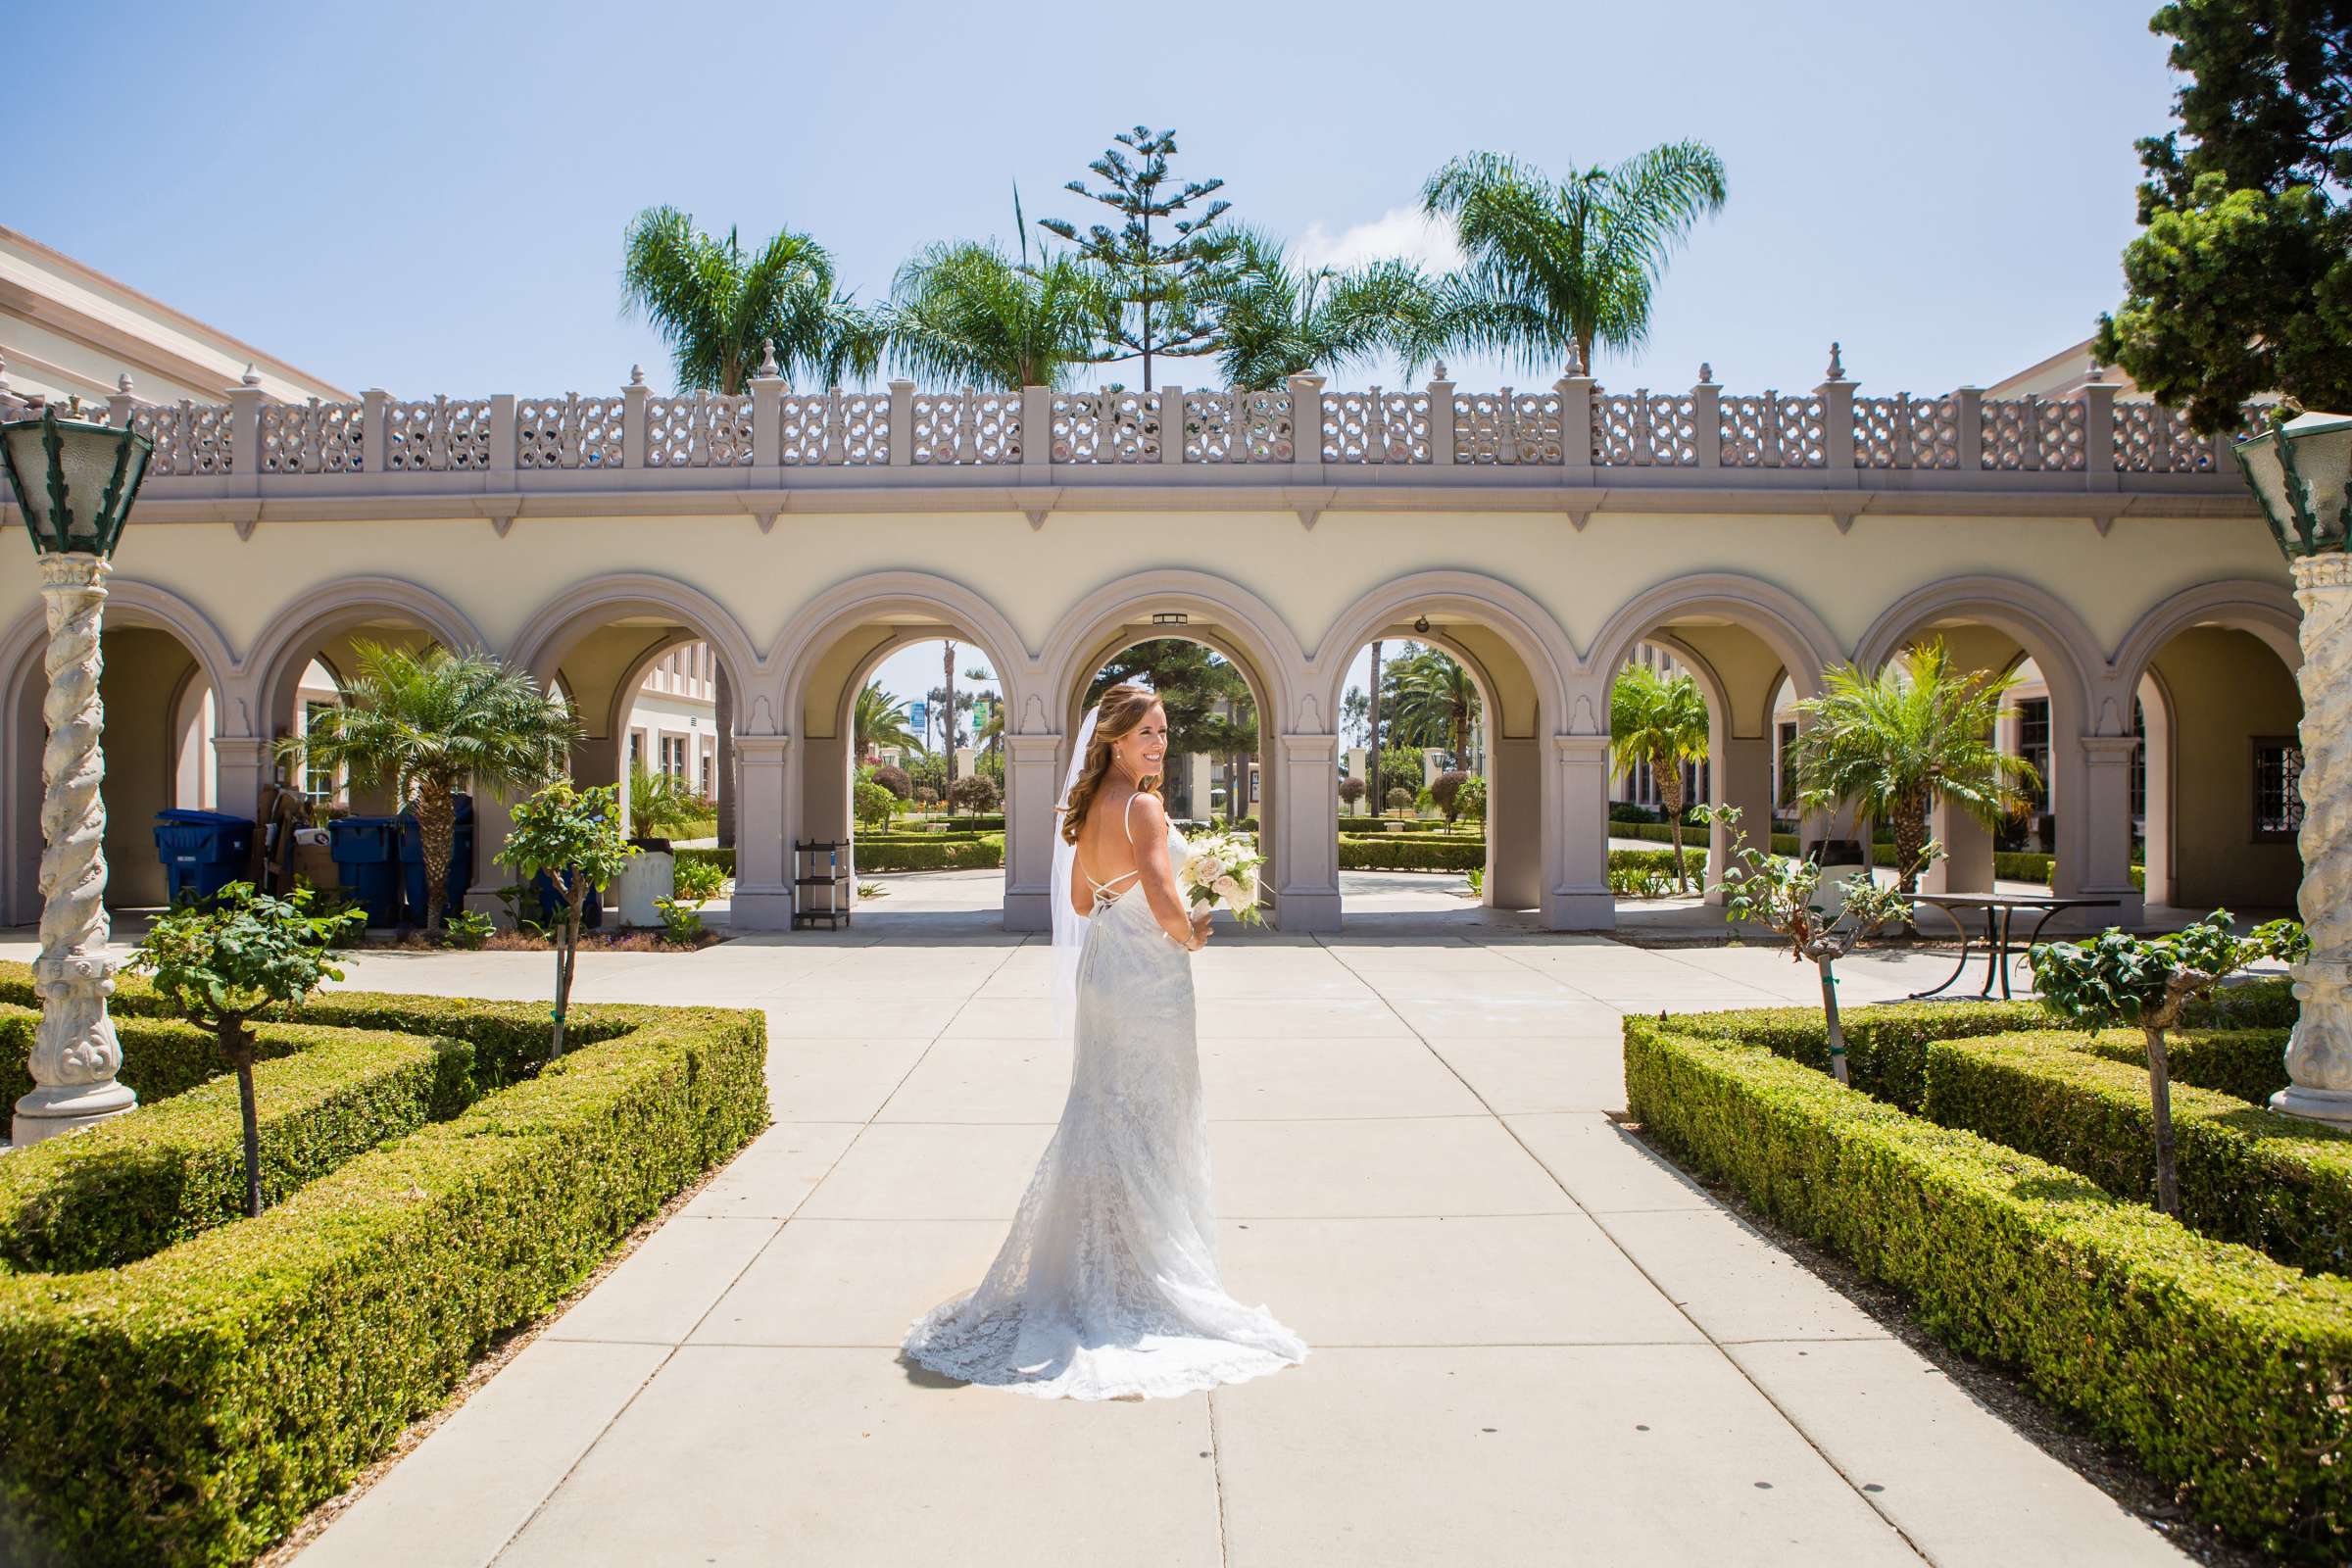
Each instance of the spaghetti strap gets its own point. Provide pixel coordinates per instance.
(1127, 820)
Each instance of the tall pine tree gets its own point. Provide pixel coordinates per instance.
(2241, 279)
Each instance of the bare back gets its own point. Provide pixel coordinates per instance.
(1122, 851)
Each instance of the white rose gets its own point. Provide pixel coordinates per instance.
(1229, 890)
(1209, 868)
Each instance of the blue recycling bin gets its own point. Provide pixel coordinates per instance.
(365, 851)
(551, 903)
(202, 851)
(461, 861)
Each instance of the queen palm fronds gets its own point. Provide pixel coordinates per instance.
(718, 306)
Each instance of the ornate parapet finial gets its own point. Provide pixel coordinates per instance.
(1706, 373)
(251, 377)
(123, 383)
(1442, 375)
(1837, 364)
(1576, 360)
(2098, 371)
(767, 356)
(636, 376)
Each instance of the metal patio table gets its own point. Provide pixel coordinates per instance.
(2000, 912)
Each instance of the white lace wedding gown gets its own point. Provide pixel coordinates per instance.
(1107, 1286)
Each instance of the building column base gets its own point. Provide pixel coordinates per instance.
(1307, 911)
(760, 910)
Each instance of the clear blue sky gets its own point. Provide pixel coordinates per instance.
(431, 198)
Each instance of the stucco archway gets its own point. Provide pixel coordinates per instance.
(1244, 628)
(830, 651)
(1520, 658)
(166, 663)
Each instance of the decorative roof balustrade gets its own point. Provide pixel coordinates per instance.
(1572, 433)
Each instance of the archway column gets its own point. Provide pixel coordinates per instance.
(762, 842)
(2098, 817)
(242, 765)
(1032, 788)
(1741, 776)
(1514, 823)
(1298, 808)
(1577, 895)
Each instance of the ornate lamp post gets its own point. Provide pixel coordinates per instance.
(2300, 472)
(74, 483)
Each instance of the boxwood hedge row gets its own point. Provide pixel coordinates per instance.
(2227, 1373)
(1402, 854)
(135, 1185)
(191, 1407)
(2272, 1181)
(925, 855)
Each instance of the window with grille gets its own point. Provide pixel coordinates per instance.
(673, 755)
(2277, 788)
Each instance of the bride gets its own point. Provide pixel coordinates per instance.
(1108, 1286)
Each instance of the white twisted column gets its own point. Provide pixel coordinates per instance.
(2319, 1054)
(74, 1053)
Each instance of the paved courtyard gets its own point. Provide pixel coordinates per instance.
(1533, 1341)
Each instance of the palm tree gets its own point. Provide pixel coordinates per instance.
(719, 309)
(878, 719)
(1662, 720)
(1560, 265)
(1895, 745)
(1278, 320)
(1435, 703)
(426, 722)
(966, 313)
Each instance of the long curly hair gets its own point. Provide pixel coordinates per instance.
(1120, 710)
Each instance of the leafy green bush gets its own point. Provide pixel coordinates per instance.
(224, 1386)
(700, 880)
(873, 805)
(2227, 1373)
(133, 1185)
(724, 859)
(2248, 1064)
(2275, 1184)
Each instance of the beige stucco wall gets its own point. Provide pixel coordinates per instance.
(2226, 690)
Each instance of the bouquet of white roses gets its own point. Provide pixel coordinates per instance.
(1221, 872)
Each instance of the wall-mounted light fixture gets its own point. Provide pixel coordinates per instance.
(1421, 625)
(1168, 617)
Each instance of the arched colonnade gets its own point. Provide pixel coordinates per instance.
(783, 710)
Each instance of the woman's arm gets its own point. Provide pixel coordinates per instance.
(1158, 875)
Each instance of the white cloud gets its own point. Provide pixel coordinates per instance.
(1400, 231)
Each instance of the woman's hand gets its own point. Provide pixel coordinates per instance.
(1199, 930)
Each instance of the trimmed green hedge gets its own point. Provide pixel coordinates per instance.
(133, 1185)
(2226, 1372)
(923, 854)
(2279, 1185)
(1887, 1046)
(1399, 854)
(222, 1387)
(2248, 1064)
(161, 1056)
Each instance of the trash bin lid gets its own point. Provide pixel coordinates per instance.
(189, 816)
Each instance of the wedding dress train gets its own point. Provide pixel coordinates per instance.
(1107, 1286)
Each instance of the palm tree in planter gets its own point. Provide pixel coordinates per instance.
(1661, 721)
(1895, 745)
(424, 723)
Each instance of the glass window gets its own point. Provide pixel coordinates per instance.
(2033, 744)
(2277, 788)
(318, 782)
(1787, 793)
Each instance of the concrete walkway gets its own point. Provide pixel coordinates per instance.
(1533, 1341)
